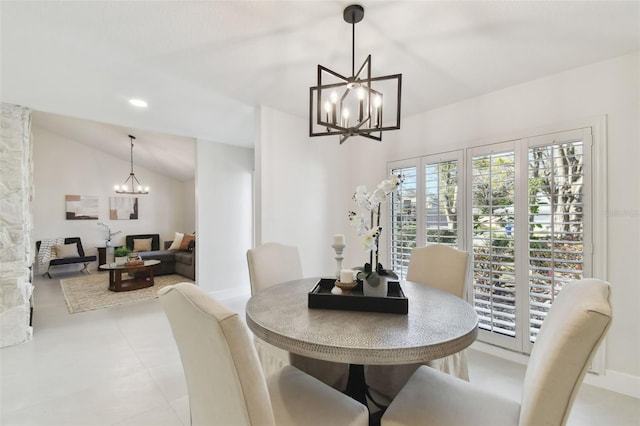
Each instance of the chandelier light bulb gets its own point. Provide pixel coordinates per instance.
(377, 101)
(117, 187)
(360, 93)
(146, 189)
(327, 107)
(124, 188)
(334, 97)
(345, 117)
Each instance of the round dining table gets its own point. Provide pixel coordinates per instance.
(437, 324)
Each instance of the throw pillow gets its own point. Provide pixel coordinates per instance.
(184, 245)
(142, 244)
(177, 240)
(66, 250)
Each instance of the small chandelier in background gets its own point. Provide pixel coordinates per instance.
(131, 184)
(359, 105)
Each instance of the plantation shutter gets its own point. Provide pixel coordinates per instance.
(403, 219)
(492, 193)
(556, 222)
(442, 212)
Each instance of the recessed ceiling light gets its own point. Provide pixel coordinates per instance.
(138, 102)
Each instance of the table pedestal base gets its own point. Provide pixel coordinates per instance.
(356, 383)
(358, 389)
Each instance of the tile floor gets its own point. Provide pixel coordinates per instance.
(120, 366)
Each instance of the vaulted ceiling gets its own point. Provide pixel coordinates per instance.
(204, 65)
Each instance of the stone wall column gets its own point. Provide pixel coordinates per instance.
(16, 223)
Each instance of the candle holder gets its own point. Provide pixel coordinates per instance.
(338, 248)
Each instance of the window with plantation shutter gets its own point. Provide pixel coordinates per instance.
(493, 254)
(556, 222)
(523, 209)
(403, 220)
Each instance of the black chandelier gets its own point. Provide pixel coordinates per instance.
(359, 105)
(131, 184)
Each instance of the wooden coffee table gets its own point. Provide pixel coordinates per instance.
(116, 283)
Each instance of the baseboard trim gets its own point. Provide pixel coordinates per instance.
(614, 381)
(500, 352)
(223, 295)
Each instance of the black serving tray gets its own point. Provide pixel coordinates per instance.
(322, 298)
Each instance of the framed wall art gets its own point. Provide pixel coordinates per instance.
(81, 207)
(123, 208)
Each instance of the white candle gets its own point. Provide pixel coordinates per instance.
(377, 108)
(334, 100)
(360, 104)
(328, 109)
(338, 239)
(346, 276)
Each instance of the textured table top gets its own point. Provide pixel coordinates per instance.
(438, 324)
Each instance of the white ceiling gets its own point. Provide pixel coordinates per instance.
(204, 65)
(169, 155)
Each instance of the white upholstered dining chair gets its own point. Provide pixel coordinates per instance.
(572, 331)
(272, 263)
(225, 382)
(438, 266)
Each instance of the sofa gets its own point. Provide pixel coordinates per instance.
(173, 261)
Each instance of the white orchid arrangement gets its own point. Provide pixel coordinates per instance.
(370, 231)
(109, 234)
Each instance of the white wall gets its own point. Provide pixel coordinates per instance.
(608, 88)
(189, 206)
(301, 187)
(63, 166)
(224, 205)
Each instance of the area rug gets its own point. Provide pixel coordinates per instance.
(90, 292)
